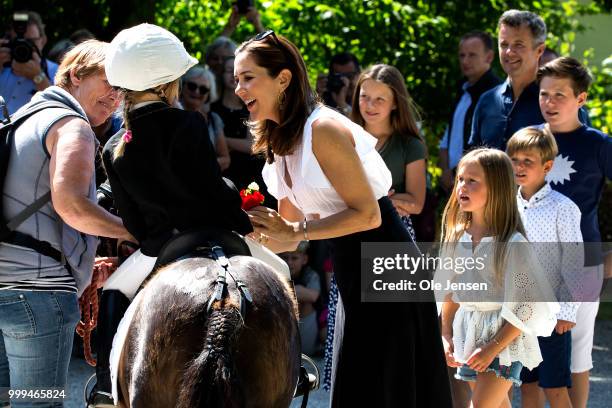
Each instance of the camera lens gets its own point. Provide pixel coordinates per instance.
(22, 50)
(335, 83)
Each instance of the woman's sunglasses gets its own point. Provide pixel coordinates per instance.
(279, 45)
(192, 86)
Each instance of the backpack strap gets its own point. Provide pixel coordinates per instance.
(28, 211)
(19, 116)
(8, 233)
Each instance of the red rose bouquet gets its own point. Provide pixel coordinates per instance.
(251, 197)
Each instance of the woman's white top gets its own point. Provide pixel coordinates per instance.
(525, 300)
(311, 191)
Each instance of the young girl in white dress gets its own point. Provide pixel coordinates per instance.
(491, 333)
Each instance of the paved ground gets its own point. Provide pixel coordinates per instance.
(601, 376)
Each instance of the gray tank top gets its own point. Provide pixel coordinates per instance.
(28, 179)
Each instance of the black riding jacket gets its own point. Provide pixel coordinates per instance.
(168, 178)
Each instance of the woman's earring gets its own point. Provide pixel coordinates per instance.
(281, 98)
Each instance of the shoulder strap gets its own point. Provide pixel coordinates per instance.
(19, 117)
(28, 211)
(13, 122)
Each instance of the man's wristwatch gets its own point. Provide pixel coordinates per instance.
(39, 78)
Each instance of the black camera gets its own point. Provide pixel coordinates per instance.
(335, 82)
(21, 48)
(243, 5)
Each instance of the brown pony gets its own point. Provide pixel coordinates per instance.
(178, 353)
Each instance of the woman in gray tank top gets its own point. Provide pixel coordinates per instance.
(53, 152)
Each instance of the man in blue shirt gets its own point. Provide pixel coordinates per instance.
(20, 81)
(513, 104)
(475, 58)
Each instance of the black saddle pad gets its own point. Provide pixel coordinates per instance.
(185, 243)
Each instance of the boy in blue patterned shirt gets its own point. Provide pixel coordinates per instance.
(579, 172)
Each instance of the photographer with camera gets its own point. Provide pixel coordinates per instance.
(337, 89)
(24, 70)
(244, 8)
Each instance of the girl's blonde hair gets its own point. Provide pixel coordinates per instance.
(501, 211)
(167, 92)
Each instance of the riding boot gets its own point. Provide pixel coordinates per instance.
(112, 307)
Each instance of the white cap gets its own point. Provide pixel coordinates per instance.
(146, 56)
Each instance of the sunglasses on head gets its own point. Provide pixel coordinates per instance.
(279, 45)
(192, 86)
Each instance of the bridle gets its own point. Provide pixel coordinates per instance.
(216, 253)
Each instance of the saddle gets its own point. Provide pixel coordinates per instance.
(186, 244)
(213, 243)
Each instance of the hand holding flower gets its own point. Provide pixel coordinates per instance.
(268, 222)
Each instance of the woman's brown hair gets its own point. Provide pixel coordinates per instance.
(405, 116)
(275, 53)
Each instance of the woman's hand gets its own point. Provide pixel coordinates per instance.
(268, 222)
(397, 204)
(449, 349)
(482, 358)
(258, 237)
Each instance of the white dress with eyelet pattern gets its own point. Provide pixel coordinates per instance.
(525, 300)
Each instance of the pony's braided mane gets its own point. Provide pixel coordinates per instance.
(209, 380)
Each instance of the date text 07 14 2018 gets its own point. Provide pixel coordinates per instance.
(32, 394)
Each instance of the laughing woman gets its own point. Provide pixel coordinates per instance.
(332, 184)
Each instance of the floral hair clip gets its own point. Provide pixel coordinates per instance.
(127, 136)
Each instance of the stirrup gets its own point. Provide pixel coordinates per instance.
(307, 381)
(97, 399)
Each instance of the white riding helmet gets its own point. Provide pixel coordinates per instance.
(145, 56)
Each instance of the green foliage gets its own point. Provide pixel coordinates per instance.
(419, 37)
(600, 94)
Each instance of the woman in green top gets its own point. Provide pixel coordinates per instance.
(387, 111)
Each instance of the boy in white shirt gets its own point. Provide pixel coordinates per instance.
(552, 224)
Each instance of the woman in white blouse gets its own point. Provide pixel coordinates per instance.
(332, 184)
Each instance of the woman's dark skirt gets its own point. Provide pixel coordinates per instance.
(385, 354)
